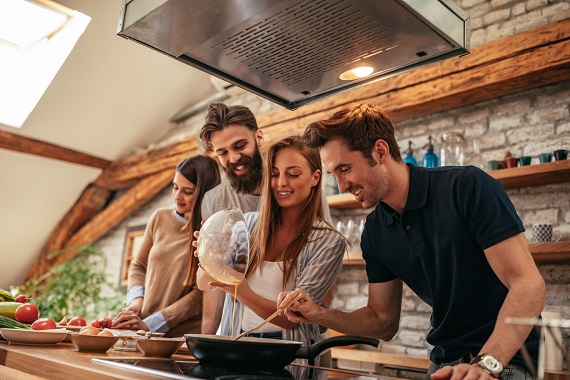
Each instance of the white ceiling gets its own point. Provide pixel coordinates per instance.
(110, 97)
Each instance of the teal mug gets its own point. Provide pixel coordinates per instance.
(525, 160)
(545, 157)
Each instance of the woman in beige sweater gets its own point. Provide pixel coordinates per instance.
(162, 294)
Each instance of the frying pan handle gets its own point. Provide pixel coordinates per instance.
(313, 351)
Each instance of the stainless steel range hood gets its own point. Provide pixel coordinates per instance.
(293, 52)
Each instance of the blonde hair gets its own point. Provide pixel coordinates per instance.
(270, 212)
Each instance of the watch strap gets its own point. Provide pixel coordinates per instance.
(477, 360)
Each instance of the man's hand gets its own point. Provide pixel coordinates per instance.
(305, 310)
(462, 371)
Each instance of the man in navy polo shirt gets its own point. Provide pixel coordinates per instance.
(451, 234)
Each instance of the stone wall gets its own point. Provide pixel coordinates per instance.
(526, 123)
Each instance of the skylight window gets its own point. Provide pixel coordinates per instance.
(35, 39)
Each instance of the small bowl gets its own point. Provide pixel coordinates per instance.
(93, 343)
(159, 347)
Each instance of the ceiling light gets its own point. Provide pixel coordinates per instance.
(356, 73)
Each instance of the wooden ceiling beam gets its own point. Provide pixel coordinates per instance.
(123, 173)
(27, 145)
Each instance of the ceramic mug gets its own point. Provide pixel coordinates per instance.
(545, 157)
(510, 162)
(542, 233)
(560, 154)
(494, 164)
(525, 160)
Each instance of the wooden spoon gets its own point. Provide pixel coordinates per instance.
(272, 316)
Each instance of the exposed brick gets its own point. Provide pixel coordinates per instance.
(556, 12)
(501, 4)
(505, 122)
(533, 4)
(496, 16)
(441, 123)
(414, 322)
(411, 338)
(356, 302)
(549, 115)
(527, 133)
(541, 216)
(346, 289)
(555, 273)
(518, 9)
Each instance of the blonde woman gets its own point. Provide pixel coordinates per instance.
(292, 246)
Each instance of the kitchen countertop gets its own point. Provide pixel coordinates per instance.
(61, 361)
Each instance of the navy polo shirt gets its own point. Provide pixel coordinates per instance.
(436, 247)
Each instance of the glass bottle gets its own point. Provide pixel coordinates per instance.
(451, 152)
(409, 159)
(430, 158)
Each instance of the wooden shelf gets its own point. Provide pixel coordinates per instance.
(541, 252)
(533, 175)
(523, 176)
(558, 251)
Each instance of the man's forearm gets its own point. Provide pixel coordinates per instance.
(363, 322)
(525, 300)
(212, 306)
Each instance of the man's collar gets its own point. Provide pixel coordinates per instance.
(417, 195)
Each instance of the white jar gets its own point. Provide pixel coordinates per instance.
(451, 152)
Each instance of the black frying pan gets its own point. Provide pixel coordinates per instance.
(265, 353)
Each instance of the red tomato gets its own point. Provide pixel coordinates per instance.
(77, 321)
(102, 323)
(21, 299)
(27, 313)
(43, 324)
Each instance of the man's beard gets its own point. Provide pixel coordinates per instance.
(248, 182)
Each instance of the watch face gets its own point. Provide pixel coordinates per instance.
(492, 364)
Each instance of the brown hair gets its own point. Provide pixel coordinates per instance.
(220, 116)
(358, 127)
(270, 212)
(203, 172)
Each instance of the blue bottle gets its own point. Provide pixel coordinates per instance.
(430, 158)
(409, 159)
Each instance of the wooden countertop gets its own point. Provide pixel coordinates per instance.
(62, 361)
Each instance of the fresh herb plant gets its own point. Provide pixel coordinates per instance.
(77, 287)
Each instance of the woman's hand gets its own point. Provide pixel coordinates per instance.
(135, 306)
(128, 319)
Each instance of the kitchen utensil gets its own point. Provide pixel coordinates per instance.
(271, 317)
(265, 353)
(223, 246)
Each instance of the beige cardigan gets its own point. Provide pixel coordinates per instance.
(161, 265)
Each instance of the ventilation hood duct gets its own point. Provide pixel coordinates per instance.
(293, 52)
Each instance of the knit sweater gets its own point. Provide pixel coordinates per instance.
(161, 265)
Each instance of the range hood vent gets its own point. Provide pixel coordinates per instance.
(293, 52)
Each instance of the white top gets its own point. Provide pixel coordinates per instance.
(266, 282)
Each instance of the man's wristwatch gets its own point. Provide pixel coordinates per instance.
(489, 363)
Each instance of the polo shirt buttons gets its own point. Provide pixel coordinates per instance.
(408, 228)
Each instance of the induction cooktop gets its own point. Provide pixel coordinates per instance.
(192, 369)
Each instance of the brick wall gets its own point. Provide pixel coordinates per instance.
(527, 123)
